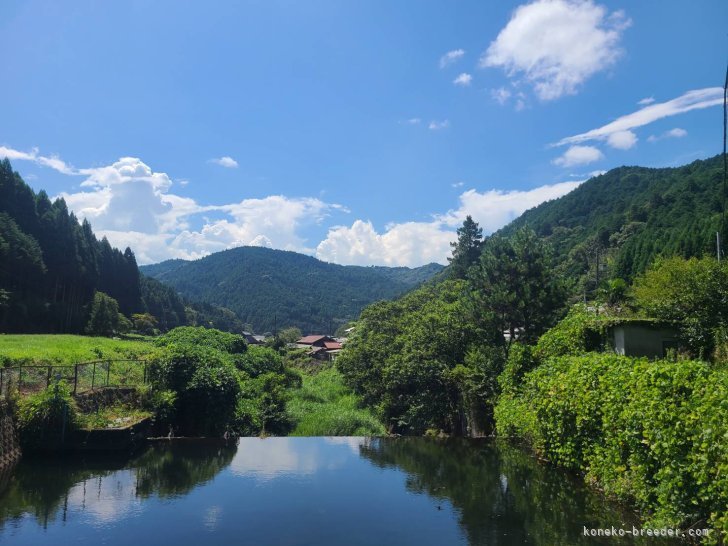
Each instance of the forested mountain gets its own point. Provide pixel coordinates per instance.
(625, 218)
(274, 288)
(51, 265)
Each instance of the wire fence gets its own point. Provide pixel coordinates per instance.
(82, 377)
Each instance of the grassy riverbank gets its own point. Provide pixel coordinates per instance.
(323, 406)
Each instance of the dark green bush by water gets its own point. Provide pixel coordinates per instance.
(45, 418)
(655, 433)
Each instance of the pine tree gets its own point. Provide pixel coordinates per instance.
(466, 250)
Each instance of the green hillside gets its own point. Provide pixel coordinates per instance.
(630, 215)
(274, 288)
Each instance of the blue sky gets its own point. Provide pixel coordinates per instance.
(361, 132)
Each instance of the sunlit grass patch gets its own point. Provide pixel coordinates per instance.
(323, 406)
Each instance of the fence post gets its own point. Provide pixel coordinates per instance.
(75, 378)
(108, 371)
(20, 376)
(48, 377)
(93, 376)
(1, 381)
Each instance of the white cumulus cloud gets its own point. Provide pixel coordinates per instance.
(463, 79)
(556, 45)
(622, 140)
(578, 155)
(225, 161)
(417, 243)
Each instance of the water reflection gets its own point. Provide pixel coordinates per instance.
(304, 491)
(500, 491)
(105, 488)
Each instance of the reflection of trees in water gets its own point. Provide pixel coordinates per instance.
(40, 487)
(500, 493)
(171, 470)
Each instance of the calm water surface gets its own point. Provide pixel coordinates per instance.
(302, 491)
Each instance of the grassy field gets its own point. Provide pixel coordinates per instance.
(62, 349)
(323, 406)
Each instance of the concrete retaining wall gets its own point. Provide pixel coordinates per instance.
(9, 445)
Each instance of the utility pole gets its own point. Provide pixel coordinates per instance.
(725, 158)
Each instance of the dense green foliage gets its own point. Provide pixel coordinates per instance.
(651, 432)
(694, 294)
(207, 382)
(466, 250)
(273, 289)
(323, 406)
(514, 288)
(104, 318)
(431, 359)
(625, 218)
(51, 265)
(43, 419)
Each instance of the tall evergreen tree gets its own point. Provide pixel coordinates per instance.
(466, 250)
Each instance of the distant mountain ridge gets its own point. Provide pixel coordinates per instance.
(271, 289)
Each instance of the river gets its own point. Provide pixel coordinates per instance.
(304, 491)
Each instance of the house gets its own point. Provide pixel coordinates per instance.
(251, 339)
(643, 338)
(321, 347)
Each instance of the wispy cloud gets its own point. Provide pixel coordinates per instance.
(438, 125)
(450, 57)
(47, 161)
(646, 101)
(582, 39)
(692, 100)
(677, 132)
(225, 161)
(463, 79)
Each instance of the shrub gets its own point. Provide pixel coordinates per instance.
(652, 432)
(579, 332)
(44, 418)
(259, 360)
(206, 384)
(204, 338)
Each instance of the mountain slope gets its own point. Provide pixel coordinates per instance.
(271, 289)
(628, 216)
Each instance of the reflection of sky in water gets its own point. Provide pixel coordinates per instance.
(268, 458)
(299, 491)
(105, 499)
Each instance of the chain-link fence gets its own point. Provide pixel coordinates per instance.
(81, 377)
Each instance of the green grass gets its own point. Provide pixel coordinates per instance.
(27, 349)
(117, 416)
(323, 406)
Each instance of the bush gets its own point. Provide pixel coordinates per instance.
(206, 384)
(44, 418)
(579, 332)
(204, 338)
(652, 432)
(259, 360)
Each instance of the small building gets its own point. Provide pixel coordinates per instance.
(321, 347)
(643, 338)
(251, 339)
